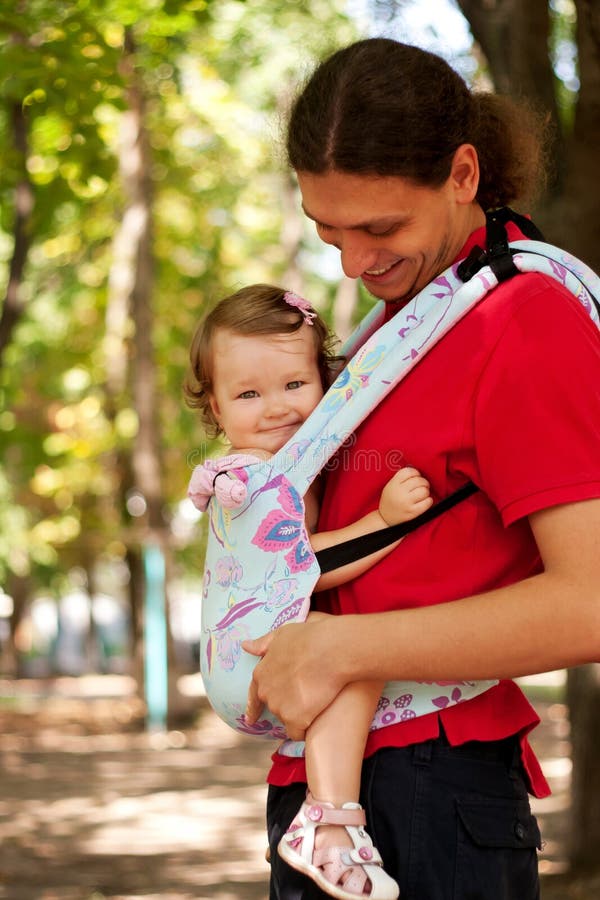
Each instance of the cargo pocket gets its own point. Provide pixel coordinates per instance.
(496, 852)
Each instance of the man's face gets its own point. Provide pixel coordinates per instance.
(393, 234)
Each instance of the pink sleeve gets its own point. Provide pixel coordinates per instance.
(222, 478)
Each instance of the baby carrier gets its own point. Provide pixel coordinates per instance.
(260, 569)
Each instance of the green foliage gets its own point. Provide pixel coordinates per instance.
(215, 75)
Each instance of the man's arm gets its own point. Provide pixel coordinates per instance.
(548, 621)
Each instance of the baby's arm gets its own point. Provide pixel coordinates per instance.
(405, 496)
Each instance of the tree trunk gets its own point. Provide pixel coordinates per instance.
(584, 711)
(513, 37)
(13, 306)
(18, 588)
(135, 234)
(136, 607)
(292, 228)
(578, 222)
(135, 276)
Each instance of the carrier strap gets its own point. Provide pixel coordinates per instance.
(498, 254)
(348, 551)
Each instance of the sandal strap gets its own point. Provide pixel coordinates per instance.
(320, 814)
(364, 856)
(348, 856)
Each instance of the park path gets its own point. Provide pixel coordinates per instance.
(93, 808)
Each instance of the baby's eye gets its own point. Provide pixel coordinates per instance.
(248, 395)
(294, 385)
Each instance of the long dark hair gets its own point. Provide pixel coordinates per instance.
(379, 107)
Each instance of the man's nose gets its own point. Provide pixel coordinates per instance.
(356, 254)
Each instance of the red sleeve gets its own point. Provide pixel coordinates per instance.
(537, 408)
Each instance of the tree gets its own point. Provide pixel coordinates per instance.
(55, 72)
(92, 362)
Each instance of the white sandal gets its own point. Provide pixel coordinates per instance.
(341, 872)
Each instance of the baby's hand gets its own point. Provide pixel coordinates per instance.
(405, 496)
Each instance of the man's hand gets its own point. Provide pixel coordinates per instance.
(257, 647)
(295, 677)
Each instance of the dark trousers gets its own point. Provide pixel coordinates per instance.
(451, 823)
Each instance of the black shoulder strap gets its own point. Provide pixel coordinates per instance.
(349, 551)
(497, 254)
(505, 214)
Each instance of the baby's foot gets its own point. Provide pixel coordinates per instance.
(330, 845)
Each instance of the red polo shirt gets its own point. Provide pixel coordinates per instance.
(509, 399)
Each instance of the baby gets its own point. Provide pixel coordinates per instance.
(260, 363)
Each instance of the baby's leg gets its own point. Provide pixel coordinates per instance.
(335, 743)
(327, 840)
(335, 746)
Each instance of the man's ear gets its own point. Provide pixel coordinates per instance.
(464, 173)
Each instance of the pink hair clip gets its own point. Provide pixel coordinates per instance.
(303, 305)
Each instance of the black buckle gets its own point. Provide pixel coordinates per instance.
(471, 265)
(498, 255)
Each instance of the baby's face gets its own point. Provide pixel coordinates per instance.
(265, 386)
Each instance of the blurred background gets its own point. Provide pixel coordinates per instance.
(141, 179)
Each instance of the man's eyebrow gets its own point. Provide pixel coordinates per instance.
(384, 221)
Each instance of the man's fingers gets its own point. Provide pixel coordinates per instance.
(279, 680)
(254, 705)
(258, 646)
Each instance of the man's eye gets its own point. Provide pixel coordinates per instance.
(294, 385)
(248, 395)
(384, 233)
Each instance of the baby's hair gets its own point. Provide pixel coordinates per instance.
(254, 310)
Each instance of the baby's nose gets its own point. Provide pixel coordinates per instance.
(276, 406)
